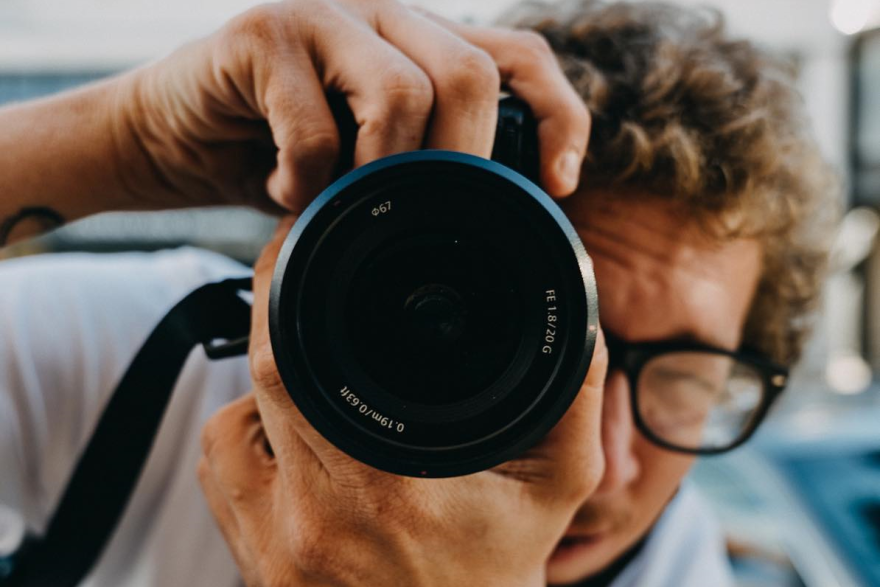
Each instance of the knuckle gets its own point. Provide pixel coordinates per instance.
(313, 547)
(582, 477)
(209, 436)
(236, 492)
(374, 495)
(407, 90)
(318, 142)
(533, 47)
(579, 488)
(475, 75)
(264, 370)
(258, 25)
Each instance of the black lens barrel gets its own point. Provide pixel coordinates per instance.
(433, 313)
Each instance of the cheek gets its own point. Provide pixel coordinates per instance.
(661, 471)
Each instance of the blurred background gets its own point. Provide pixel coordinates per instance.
(800, 504)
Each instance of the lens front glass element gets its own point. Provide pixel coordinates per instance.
(698, 400)
(434, 317)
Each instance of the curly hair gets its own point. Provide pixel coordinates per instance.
(682, 111)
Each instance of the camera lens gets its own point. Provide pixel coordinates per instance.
(446, 310)
(433, 313)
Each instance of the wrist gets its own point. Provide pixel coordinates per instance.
(136, 170)
(170, 131)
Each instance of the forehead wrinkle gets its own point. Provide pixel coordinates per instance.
(639, 254)
(607, 251)
(684, 249)
(650, 225)
(660, 274)
(665, 304)
(595, 235)
(689, 285)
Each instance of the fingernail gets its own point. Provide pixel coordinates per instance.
(569, 167)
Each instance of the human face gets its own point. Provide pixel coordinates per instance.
(659, 277)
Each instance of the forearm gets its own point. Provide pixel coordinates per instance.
(59, 160)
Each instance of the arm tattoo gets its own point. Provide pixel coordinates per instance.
(46, 217)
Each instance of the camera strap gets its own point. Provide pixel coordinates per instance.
(110, 465)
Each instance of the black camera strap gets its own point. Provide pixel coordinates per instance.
(109, 467)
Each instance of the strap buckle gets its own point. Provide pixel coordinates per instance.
(224, 348)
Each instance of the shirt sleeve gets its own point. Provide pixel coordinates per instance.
(70, 325)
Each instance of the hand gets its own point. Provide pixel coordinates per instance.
(303, 513)
(242, 116)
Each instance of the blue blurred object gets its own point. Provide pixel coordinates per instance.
(16, 87)
(837, 478)
(804, 496)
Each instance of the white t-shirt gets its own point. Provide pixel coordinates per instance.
(70, 325)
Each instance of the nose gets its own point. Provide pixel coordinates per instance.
(618, 433)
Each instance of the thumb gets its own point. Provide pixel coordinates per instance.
(569, 462)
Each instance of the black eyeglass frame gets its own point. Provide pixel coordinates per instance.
(631, 357)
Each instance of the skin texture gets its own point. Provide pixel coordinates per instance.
(241, 117)
(659, 278)
(307, 514)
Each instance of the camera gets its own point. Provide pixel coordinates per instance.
(431, 314)
(434, 313)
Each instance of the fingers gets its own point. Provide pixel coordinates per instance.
(237, 477)
(391, 97)
(412, 80)
(571, 454)
(305, 134)
(598, 365)
(261, 69)
(579, 427)
(227, 523)
(298, 446)
(529, 68)
(418, 68)
(283, 420)
(262, 361)
(465, 80)
(234, 447)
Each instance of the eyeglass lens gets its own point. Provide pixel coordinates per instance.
(698, 400)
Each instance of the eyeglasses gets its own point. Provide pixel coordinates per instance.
(695, 398)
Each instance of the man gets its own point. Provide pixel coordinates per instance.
(695, 201)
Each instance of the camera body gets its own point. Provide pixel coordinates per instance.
(434, 313)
